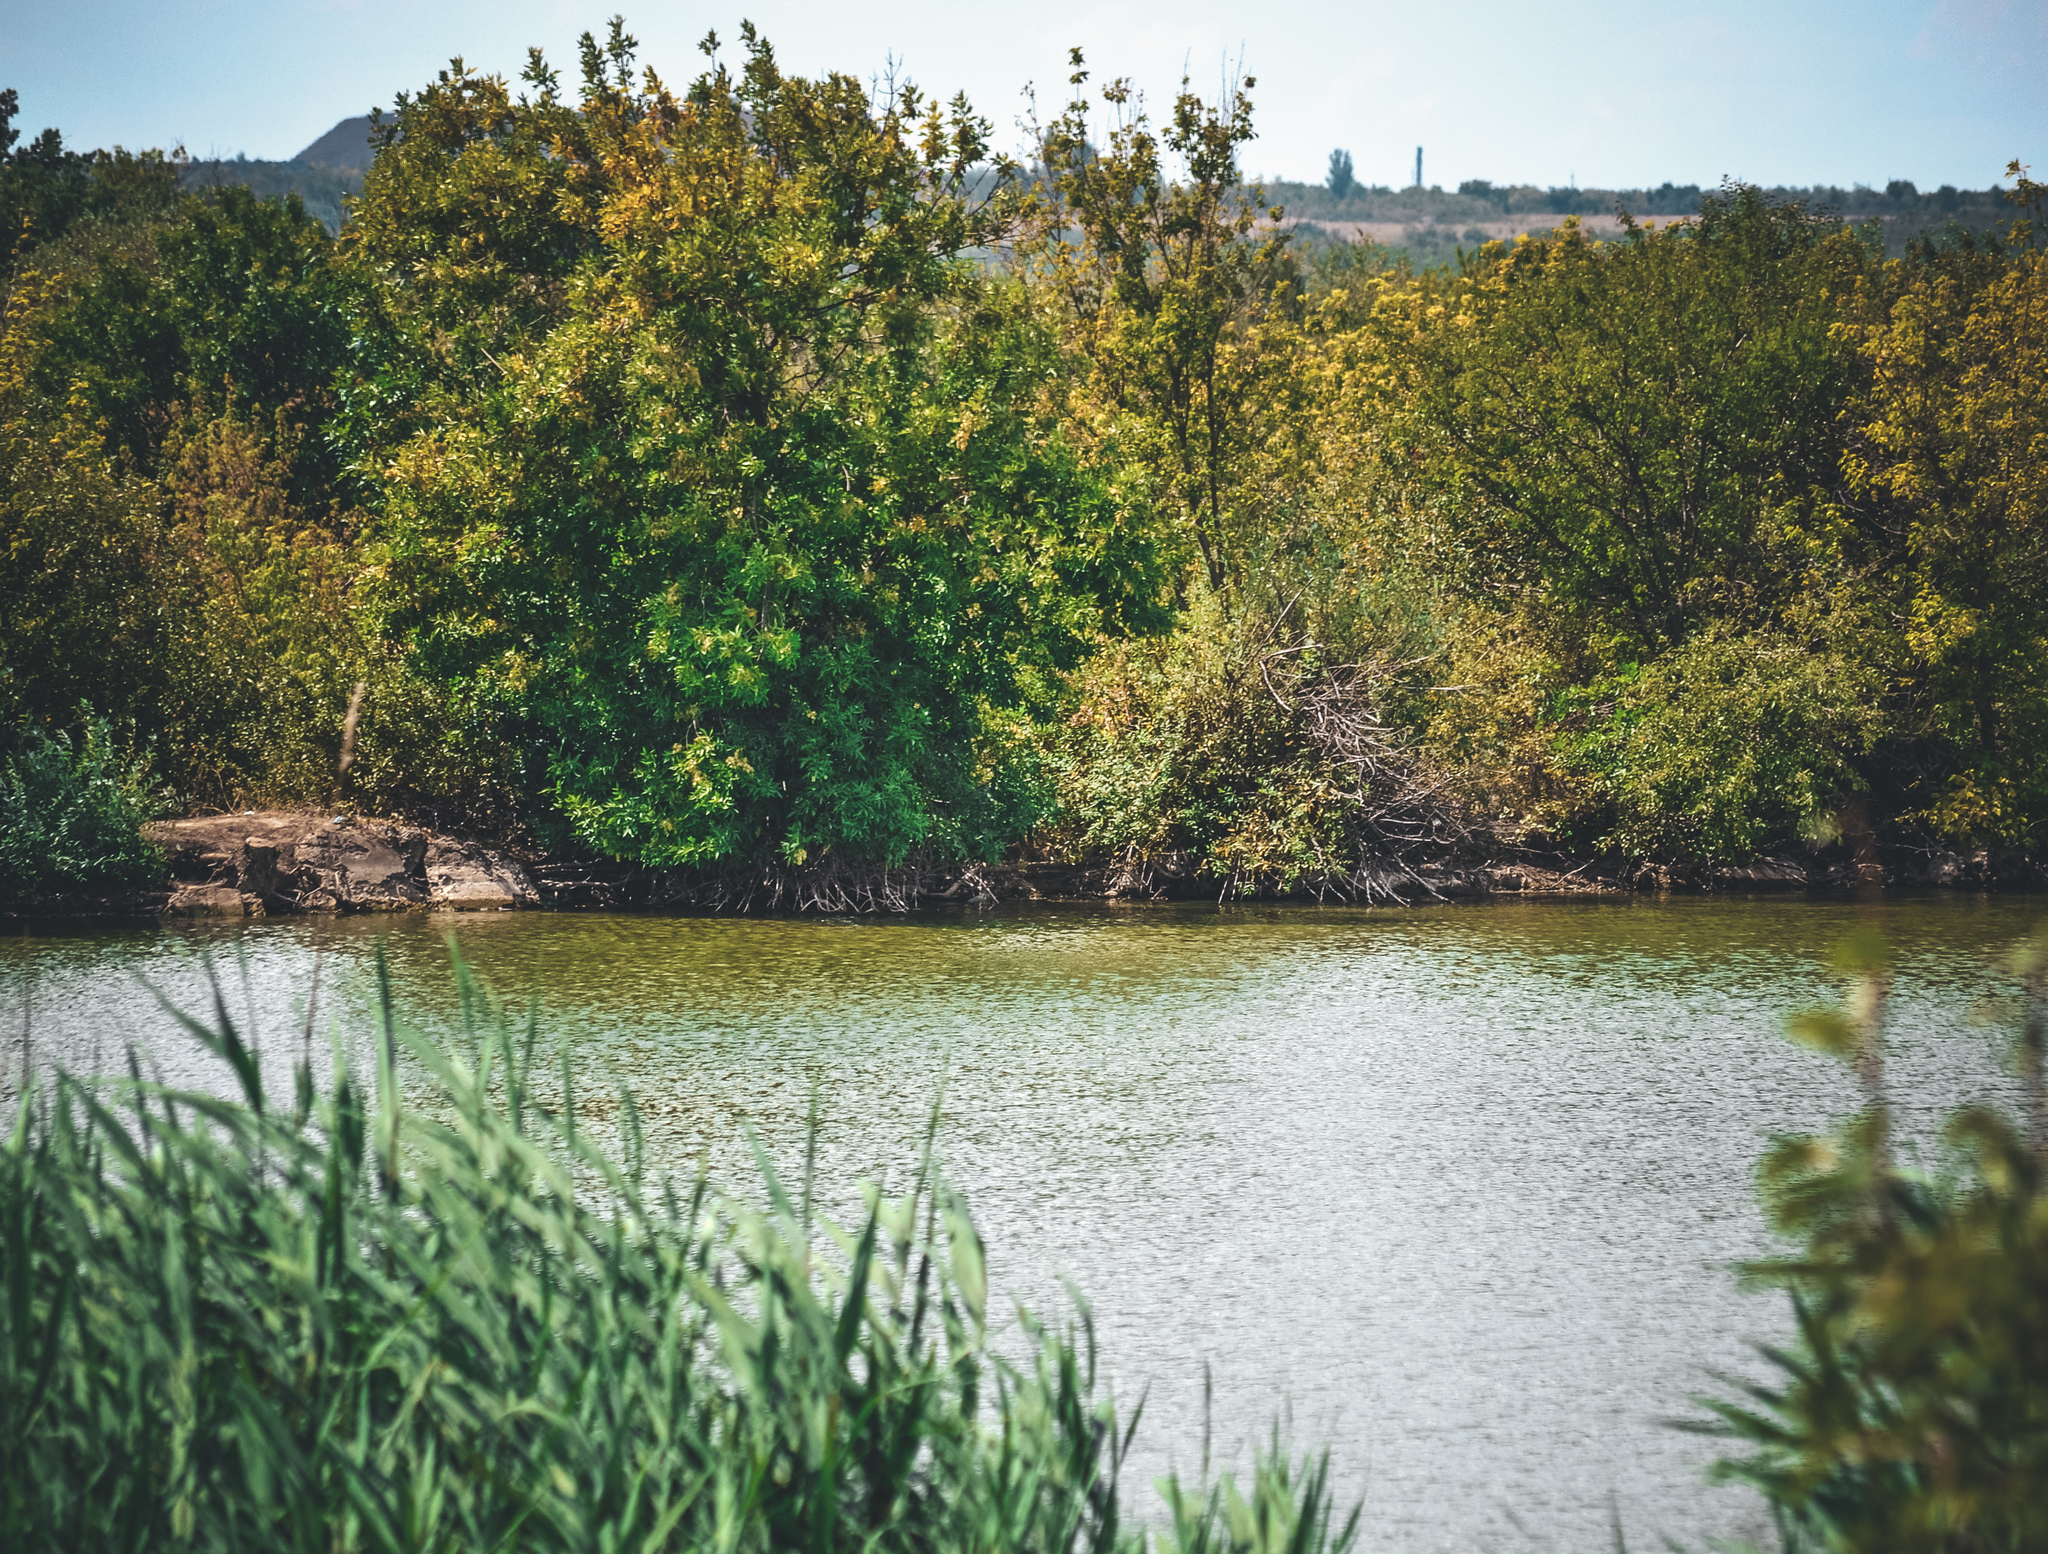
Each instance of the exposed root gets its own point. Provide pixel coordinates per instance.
(828, 887)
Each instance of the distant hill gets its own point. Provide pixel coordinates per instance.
(322, 188)
(345, 148)
(322, 175)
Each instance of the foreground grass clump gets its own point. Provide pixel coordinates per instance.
(338, 1324)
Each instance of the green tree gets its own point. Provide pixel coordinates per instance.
(235, 308)
(1644, 430)
(183, 551)
(46, 190)
(1164, 283)
(85, 615)
(717, 484)
(1342, 179)
(1950, 451)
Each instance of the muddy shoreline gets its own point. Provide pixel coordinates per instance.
(285, 863)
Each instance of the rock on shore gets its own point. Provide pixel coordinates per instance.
(255, 864)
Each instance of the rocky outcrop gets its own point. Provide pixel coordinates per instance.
(472, 879)
(253, 864)
(213, 901)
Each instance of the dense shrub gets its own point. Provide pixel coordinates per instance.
(48, 194)
(1725, 745)
(71, 817)
(232, 308)
(1263, 741)
(178, 550)
(1644, 428)
(86, 604)
(1946, 451)
(269, 645)
(713, 471)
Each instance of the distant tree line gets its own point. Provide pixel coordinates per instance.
(324, 191)
(1341, 196)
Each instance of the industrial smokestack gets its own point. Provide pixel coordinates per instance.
(1418, 167)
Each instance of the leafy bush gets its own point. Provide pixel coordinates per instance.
(1178, 747)
(270, 646)
(71, 818)
(1913, 1412)
(1725, 745)
(46, 192)
(232, 307)
(337, 1324)
(177, 548)
(1645, 426)
(88, 606)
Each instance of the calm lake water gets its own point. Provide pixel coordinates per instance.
(1452, 1190)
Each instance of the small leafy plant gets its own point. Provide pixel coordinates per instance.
(71, 817)
(1912, 1414)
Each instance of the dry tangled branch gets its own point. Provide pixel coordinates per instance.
(1406, 811)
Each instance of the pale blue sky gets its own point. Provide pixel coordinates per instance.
(1614, 94)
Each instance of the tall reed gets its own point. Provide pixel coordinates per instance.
(329, 1322)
